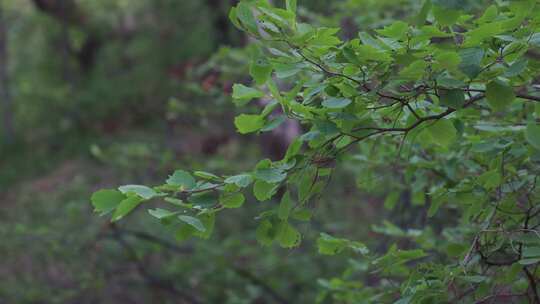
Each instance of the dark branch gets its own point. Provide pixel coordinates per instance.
(532, 284)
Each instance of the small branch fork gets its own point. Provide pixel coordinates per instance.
(420, 120)
(532, 292)
(120, 234)
(403, 101)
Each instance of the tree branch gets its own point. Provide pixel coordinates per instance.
(118, 235)
(518, 94)
(532, 284)
(148, 277)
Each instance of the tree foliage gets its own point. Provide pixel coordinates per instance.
(441, 114)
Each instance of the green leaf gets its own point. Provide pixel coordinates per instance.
(530, 261)
(184, 232)
(241, 180)
(531, 252)
(434, 207)
(161, 213)
(499, 95)
(126, 206)
(192, 221)
(269, 108)
(395, 257)
(391, 200)
(177, 202)
(284, 70)
(420, 19)
(182, 179)
(305, 184)
(535, 39)
(389, 229)
(205, 221)
(270, 175)
(106, 200)
(430, 31)
(234, 200)
(522, 8)
(204, 200)
(448, 82)
(448, 60)
(336, 103)
(516, 68)
(396, 30)
(329, 245)
(414, 71)
(206, 175)
(532, 134)
(445, 16)
(293, 149)
(208, 221)
(489, 14)
(274, 123)
(142, 191)
(242, 95)
(285, 206)
(265, 233)
(302, 215)
(288, 236)
(325, 37)
(471, 58)
(246, 123)
(233, 17)
(451, 4)
(245, 15)
(367, 53)
(454, 99)
(291, 5)
(442, 132)
(477, 35)
(490, 179)
(456, 249)
(264, 191)
(260, 69)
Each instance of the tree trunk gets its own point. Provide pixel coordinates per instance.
(69, 15)
(5, 96)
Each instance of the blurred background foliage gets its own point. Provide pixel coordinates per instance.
(107, 92)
